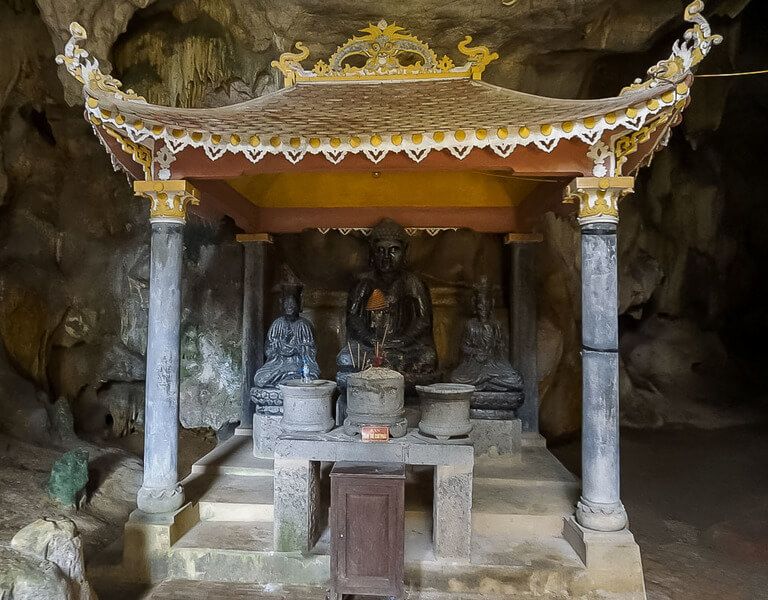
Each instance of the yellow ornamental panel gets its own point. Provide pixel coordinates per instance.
(384, 189)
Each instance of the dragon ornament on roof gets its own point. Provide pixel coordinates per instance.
(686, 53)
(389, 52)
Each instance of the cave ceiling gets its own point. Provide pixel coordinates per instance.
(217, 52)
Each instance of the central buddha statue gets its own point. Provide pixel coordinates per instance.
(389, 314)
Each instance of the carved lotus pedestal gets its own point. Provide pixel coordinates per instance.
(376, 397)
(307, 406)
(495, 405)
(445, 409)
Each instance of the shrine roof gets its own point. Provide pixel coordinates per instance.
(387, 105)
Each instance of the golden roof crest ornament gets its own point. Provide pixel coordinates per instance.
(686, 53)
(85, 68)
(389, 52)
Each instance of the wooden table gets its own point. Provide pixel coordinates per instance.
(367, 529)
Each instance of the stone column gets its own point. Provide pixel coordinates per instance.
(254, 251)
(522, 322)
(160, 490)
(600, 506)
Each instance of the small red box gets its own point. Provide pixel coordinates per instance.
(374, 433)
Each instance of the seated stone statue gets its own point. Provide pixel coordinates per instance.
(290, 345)
(398, 319)
(484, 364)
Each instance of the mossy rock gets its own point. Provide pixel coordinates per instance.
(69, 476)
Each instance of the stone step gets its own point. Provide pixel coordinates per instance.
(241, 553)
(536, 465)
(205, 590)
(231, 497)
(234, 457)
(525, 509)
(497, 581)
(529, 439)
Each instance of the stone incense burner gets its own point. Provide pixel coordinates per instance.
(375, 397)
(445, 409)
(307, 405)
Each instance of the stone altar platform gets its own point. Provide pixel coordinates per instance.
(297, 480)
(524, 544)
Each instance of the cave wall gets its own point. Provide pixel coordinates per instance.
(74, 242)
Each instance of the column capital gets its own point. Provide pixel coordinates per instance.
(168, 199)
(251, 238)
(598, 197)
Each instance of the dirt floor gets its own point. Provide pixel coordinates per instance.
(698, 506)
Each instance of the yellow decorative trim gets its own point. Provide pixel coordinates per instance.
(250, 238)
(523, 238)
(686, 53)
(140, 154)
(628, 144)
(168, 199)
(598, 197)
(384, 47)
(86, 70)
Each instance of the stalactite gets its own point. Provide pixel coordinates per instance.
(182, 71)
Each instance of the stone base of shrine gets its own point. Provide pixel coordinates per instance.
(524, 541)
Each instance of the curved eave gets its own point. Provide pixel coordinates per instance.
(314, 119)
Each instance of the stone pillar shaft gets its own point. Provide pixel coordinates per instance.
(600, 506)
(600, 365)
(161, 416)
(160, 490)
(522, 325)
(254, 252)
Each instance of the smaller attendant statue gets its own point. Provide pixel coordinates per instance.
(290, 349)
(484, 364)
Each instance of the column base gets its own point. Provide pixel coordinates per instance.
(160, 500)
(601, 517)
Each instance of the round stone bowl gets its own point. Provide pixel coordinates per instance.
(445, 409)
(307, 406)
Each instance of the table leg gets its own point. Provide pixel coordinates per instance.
(297, 498)
(452, 512)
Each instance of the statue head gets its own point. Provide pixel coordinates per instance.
(482, 299)
(389, 241)
(290, 294)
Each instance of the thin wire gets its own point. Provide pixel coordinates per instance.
(763, 72)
